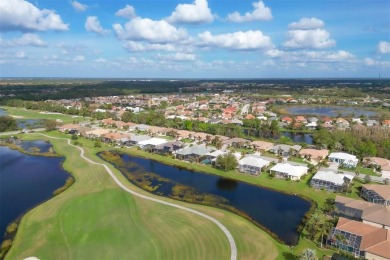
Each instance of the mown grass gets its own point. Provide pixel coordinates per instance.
(33, 114)
(96, 219)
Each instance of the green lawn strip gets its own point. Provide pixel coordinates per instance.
(34, 114)
(367, 171)
(97, 219)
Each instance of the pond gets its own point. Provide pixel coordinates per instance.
(277, 212)
(295, 137)
(331, 111)
(26, 181)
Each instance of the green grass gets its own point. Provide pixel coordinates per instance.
(96, 219)
(33, 114)
(367, 171)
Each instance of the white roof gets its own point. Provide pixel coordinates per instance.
(343, 156)
(332, 177)
(217, 153)
(153, 141)
(290, 169)
(254, 161)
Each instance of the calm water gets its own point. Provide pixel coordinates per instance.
(295, 137)
(299, 138)
(3, 112)
(26, 181)
(331, 111)
(278, 212)
(41, 144)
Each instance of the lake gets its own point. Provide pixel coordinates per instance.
(26, 181)
(278, 212)
(331, 111)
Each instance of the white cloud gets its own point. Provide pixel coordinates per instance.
(339, 56)
(20, 15)
(27, 39)
(92, 24)
(306, 24)
(177, 57)
(249, 40)
(79, 58)
(196, 13)
(260, 13)
(307, 33)
(140, 47)
(127, 12)
(312, 39)
(371, 62)
(100, 60)
(79, 7)
(274, 53)
(144, 29)
(384, 47)
(30, 39)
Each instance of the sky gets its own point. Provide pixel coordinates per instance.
(195, 38)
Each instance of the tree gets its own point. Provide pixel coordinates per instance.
(308, 254)
(367, 178)
(7, 123)
(75, 137)
(386, 181)
(226, 162)
(98, 144)
(340, 239)
(50, 125)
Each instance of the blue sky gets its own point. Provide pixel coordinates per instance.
(195, 39)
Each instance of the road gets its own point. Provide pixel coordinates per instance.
(233, 247)
(245, 109)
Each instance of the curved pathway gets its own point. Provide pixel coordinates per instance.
(233, 247)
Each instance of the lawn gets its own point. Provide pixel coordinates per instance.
(96, 219)
(33, 114)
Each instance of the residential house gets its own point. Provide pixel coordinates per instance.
(342, 123)
(168, 148)
(285, 150)
(140, 127)
(289, 171)
(181, 134)
(376, 193)
(372, 122)
(286, 120)
(252, 164)
(236, 142)
(314, 154)
(301, 119)
(152, 143)
(95, 133)
(367, 212)
(386, 123)
(201, 137)
(71, 128)
(381, 164)
(330, 181)
(357, 120)
(211, 157)
(360, 239)
(135, 139)
(262, 146)
(114, 138)
(344, 159)
(193, 153)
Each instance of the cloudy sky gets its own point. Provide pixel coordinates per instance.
(195, 38)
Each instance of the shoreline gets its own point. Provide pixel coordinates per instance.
(313, 203)
(11, 235)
